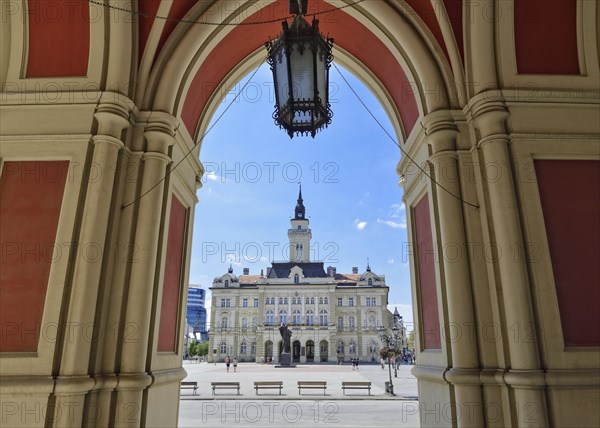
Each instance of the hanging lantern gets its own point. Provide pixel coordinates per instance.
(300, 59)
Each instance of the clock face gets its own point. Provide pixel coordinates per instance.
(299, 214)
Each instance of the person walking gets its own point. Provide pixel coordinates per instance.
(235, 365)
(227, 363)
(353, 363)
(382, 364)
(357, 361)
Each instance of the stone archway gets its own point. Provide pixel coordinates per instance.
(296, 351)
(130, 98)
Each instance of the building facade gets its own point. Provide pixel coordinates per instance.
(333, 317)
(196, 312)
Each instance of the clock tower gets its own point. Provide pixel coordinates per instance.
(299, 234)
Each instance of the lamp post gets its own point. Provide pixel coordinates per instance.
(300, 59)
(390, 340)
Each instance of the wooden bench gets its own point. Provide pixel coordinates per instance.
(311, 384)
(356, 385)
(268, 385)
(189, 385)
(225, 385)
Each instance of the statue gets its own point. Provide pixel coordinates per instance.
(286, 335)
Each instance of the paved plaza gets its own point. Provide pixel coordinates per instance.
(312, 408)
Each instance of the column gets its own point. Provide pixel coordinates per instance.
(74, 381)
(464, 373)
(133, 378)
(525, 375)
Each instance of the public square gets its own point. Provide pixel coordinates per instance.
(312, 408)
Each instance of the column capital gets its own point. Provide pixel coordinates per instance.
(441, 131)
(160, 131)
(487, 112)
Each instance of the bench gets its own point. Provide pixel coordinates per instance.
(268, 385)
(356, 385)
(225, 385)
(189, 385)
(311, 384)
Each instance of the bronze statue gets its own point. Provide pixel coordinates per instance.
(286, 335)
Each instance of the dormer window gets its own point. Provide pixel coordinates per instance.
(370, 282)
(299, 227)
(296, 278)
(226, 283)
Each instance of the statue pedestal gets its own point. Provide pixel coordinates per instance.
(285, 360)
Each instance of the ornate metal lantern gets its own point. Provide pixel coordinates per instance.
(300, 59)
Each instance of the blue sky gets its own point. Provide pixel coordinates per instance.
(349, 185)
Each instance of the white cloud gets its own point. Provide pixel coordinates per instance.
(233, 259)
(392, 224)
(397, 211)
(391, 261)
(212, 176)
(360, 225)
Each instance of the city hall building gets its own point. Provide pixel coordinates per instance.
(332, 316)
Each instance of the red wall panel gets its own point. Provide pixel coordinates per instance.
(425, 10)
(455, 14)
(430, 328)
(347, 32)
(570, 197)
(31, 195)
(59, 38)
(546, 36)
(172, 280)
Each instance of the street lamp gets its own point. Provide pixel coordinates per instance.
(390, 349)
(300, 59)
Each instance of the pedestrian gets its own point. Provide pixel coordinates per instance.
(382, 364)
(227, 363)
(262, 360)
(357, 361)
(353, 363)
(235, 365)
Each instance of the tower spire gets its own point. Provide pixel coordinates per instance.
(300, 211)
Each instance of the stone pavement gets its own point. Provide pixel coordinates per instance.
(269, 409)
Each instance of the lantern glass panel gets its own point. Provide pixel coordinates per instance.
(281, 73)
(322, 76)
(301, 59)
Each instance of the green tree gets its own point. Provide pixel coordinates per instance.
(202, 349)
(410, 341)
(192, 348)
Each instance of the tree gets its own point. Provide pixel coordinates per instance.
(202, 349)
(410, 342)
(192, 348)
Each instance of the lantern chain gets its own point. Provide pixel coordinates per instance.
(217, 24)
(398, 145)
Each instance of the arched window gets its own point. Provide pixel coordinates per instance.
(272, 300)
(223, 347)
(296, 317)
(320, 300)
(370, 281)
(269, 317)
(307, 300)
(351, 322)
(352, 348)
(340, 347)
(267, 301)
(283, 316)
(310, 317)
(312, 300)
(323, 317)
(281, 300)
(296, 278)
(285, 300)
(243, 348)
(224, 322)
(254, 322)
(253, 348)
(244, 322)
(372, 321)
(340, 323)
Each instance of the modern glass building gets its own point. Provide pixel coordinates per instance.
(196, 312)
